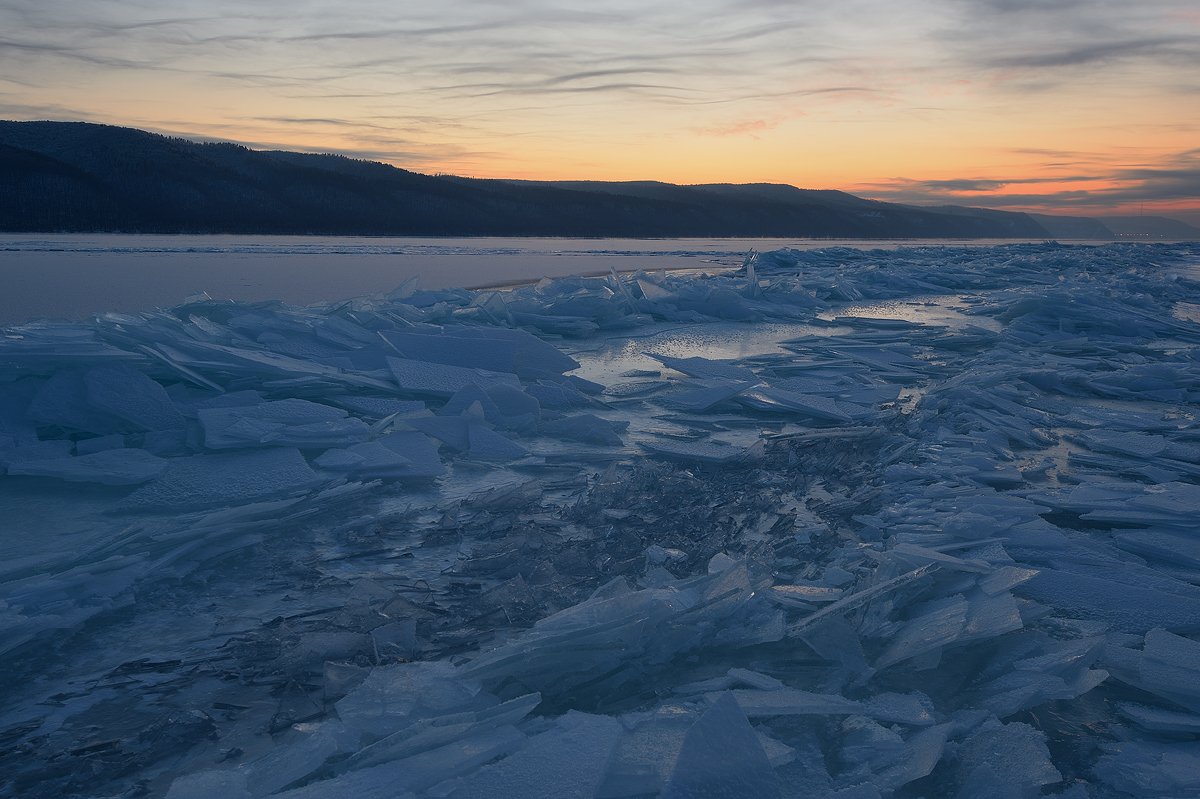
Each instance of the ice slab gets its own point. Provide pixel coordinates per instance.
(1151, 768)
(284, 423)
(560, 397)
(417, 772)
(394, 697)
(1126, 606)
(104, 400)
(1159, 720)
(114, 467)
(378, 407)
(940, 623)
(498, 349)
(587, 428)
(515, 409)
(539, 768)
(451, 430)
(488, 445)
(699, 400)
(210, 481)
(792, 702)
(721, 758)
(1014, 754)
(440, 380)
(34, 451)
(810, 405)
(697, 366)
(419, 456)
(1170, 668)
(713, 452)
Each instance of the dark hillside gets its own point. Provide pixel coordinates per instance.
(74, 176)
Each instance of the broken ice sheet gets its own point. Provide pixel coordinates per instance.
(498, 349)
(109, 467)
(209, 481)
(711, 452)
(285, 423)
(721, 756)
(585, 427)
(871, 586)
(437, 380)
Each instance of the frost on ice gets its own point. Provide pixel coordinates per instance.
(839, 524)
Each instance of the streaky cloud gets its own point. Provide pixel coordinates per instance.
(1156, 48)
(1177, 179)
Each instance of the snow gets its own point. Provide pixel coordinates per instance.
(843, 522)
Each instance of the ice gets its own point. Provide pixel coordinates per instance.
(209, 481)
(721, 756)
(399, 455)
(838, 523)
(1127, 607)
(587, 428)
(416, 772)
(430, 731)
(378, 407)
(697, 366)
(438, 380)
(792, 702)
(454, 431)
(1013, 754)
(1161, 721)
(308, 748)
(35, 452)
(713, 452)
(514, 409)
(471, 399)
(912, 759)
(1151, 769)
(285, 423)
(647, 752)
(702, 399)
(206, 784)
(498, 350)
(88, 446)
(941, 623)
(104, 400)
(1170, 667)
(810, 405)
(540, 770)
(488, 445)
(114, 467)
(560, 397)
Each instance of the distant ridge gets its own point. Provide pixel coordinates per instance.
(82, 177)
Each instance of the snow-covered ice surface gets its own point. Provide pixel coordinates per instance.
(843, 523)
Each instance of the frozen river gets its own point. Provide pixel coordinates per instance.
(903, 522)
(76, 276)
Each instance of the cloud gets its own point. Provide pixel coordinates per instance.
(747, 127)
(327, 121)
(1053, 38)
(1177, 178)
(26, 111)
(9, 47)
(1150, 48)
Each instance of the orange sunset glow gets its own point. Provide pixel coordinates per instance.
(1084, 107)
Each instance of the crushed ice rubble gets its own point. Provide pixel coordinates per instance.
(945, 546)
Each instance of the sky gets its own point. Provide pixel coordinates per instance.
(1067, 106)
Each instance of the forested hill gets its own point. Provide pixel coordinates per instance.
(74, 176)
